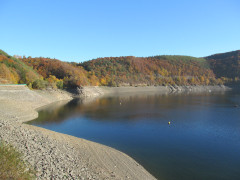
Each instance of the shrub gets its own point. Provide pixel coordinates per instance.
(59, 84)
(39, 84)
(30, 85)
(11, 164)
(112, 83)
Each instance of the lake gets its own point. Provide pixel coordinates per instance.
(202, 141)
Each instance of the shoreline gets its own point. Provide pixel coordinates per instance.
(60, 156)
(55, 155)
(96, 91)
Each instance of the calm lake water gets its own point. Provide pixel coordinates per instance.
(201, 143)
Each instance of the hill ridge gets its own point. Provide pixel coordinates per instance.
(221, 68)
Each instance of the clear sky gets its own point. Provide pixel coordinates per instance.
(78, 30)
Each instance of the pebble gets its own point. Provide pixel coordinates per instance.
(49, 157)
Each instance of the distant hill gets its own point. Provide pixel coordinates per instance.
(121, 71)
(156, 70)
(225, 64)
(14, 71)
(54, 70)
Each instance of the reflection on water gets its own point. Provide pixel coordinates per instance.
(202, 142)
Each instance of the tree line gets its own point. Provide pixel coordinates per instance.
(41, 73)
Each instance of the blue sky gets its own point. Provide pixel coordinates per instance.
(79, 30)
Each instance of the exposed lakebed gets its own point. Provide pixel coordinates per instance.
(201, 142)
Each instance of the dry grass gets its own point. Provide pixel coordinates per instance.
(12, 166)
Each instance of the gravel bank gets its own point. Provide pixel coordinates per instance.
(55, 155)
(91, 91)
(59, 156)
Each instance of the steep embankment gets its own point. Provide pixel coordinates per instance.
(55, 155)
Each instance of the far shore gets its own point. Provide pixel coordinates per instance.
(58, 156)
(96, 91)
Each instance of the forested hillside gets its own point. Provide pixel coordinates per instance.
(14, 71)
(157, 70)
(121, 71)
(61, 74)
(226, 64)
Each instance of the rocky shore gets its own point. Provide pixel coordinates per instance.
(59, 156)
(93, 91)
(55, 155)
